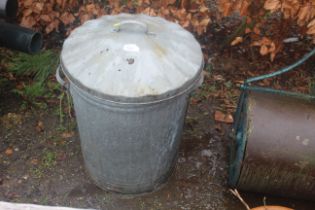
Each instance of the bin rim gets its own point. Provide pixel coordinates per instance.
(187, 88)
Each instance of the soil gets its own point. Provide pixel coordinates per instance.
(44, 165)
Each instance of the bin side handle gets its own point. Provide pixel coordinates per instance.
(62, 82)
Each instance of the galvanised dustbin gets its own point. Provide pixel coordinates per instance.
(130, 77)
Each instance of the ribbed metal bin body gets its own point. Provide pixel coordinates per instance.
(130, 77)
(275, 149)
(129, 148)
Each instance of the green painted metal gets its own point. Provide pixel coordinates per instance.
(241, 121)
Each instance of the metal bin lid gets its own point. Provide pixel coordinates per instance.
(132, 58)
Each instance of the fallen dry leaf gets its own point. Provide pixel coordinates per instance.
(225, 7)
(34, 161)
(27, 2)
(9, 151)
(20, 86)
(28, 22)
(38, 7)
(84, 18)
(40, 126)
(205, 22)
(256, 30)
(50, 15)
(67, 18)
(67, 134)
(311, 30)
(272, 5)
(165, 3)
(52, 26)
(27, 12)
(271, 208)
(248, 30)
(46, 18)
(203, 8)
(263, 50)
(237, 40)
(311, 23)
(221, 117)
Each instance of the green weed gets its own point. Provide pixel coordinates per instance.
(3, 82)
(32, 91)
(49, 159)
(209, 68)
(37, 173)
(38, 66)
(34, 71)
(204, 91)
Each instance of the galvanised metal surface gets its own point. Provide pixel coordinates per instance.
(132, 58)
(275, 150)
(130, 77)
(129, 148)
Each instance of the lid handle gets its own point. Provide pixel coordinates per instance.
(118, 26)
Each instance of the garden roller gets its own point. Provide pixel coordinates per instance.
(273, 151)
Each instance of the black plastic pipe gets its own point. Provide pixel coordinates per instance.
(8, 8)
(20, 38)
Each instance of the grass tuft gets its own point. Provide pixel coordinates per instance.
(38, 66)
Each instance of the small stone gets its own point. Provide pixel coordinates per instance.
(206, 153)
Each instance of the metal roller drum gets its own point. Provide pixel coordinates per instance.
(275, 151)
(274, 147)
